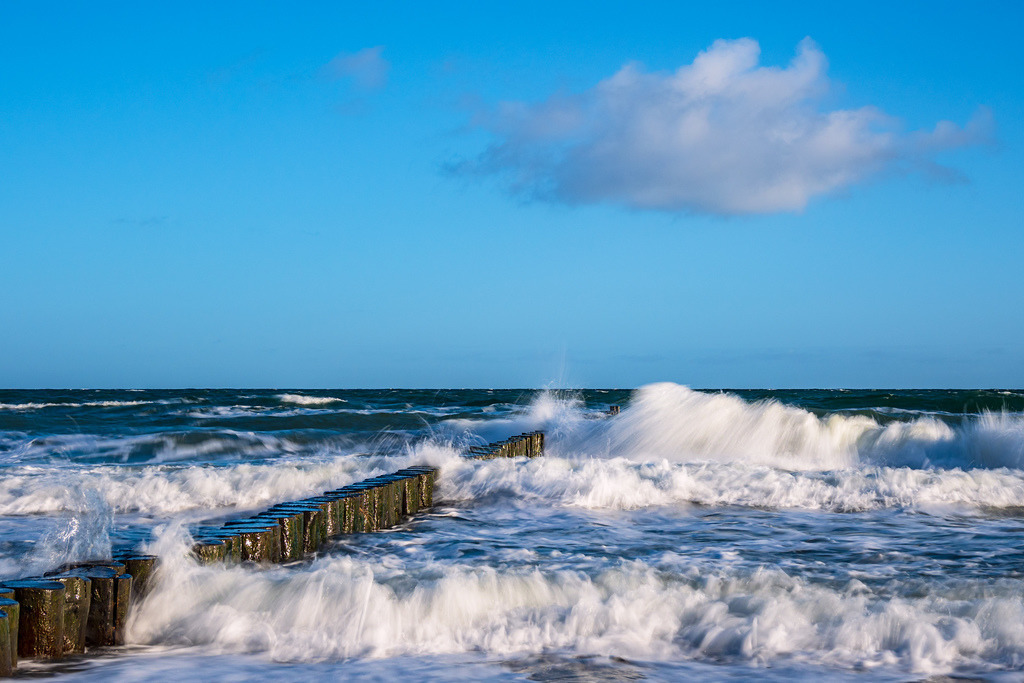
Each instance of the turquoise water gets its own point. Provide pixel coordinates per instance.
(744, 534)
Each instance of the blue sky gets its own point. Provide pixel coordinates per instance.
(541, 195)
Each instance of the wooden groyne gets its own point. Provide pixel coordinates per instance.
(86, 605)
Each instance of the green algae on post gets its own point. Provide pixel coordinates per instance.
(41, 621)
(6, 665)
(77, 599)
(210, 550)
(141, 568)
(10, 605)
(102, 623)
(122, 601)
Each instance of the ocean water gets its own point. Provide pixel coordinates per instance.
(845, 535)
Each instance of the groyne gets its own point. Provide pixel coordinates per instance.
(84, 606)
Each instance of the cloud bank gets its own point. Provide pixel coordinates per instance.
(367, 69)
(723, 135)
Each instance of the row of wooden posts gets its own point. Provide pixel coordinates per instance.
(86, 605)
(528, 445)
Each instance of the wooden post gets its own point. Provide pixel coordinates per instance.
(427, 476)
(291, 532)
(349, 500)
(369, 501)
(261, 541)
(101, 628)
(123, 600)
(208, 550)
(141, 568)
(10, 605)
(77, 599)
(41, 618)
(334, 511)
(314, 523)
(6, 665)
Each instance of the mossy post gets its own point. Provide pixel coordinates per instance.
(410, 492)
(208, 550)
(77, 599)
(232, 543)
(6, 665)
(101, 628)
(391, 501)
(122, 602)
(141, 567)
(383, 498)
(349, 502)
(314, 523)
(367, 518)
(370, 507)
(355, 506)
(10, 605)
(41, 618)
(333, 510)
(427, 475)
(291, 532)
(261, 541)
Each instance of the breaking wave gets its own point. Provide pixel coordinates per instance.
(302, 400)
(347, 606)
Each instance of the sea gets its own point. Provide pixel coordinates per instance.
(839, 535)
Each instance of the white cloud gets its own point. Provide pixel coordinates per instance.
(367, 68)
(722, 135)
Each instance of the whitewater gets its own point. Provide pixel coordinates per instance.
(722, 534)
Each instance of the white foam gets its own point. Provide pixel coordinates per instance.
(167, 489)
(88, 404)
(621, 483)
(340, 607)
(302, 400)
(672, 422)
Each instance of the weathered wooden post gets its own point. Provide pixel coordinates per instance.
(77, 599)
(356, 503)
(141, 568)
(349, 501)
(385, 492)
(369, 502)
(334, 511)
(314, 523)
(427, 476)
(10, 605)
(232, 543)
(6, 664)
(261, 541)
(410, 483)
(209, 549)
(108, 609)
(291, 532)
(413, 499)
(41, 618)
